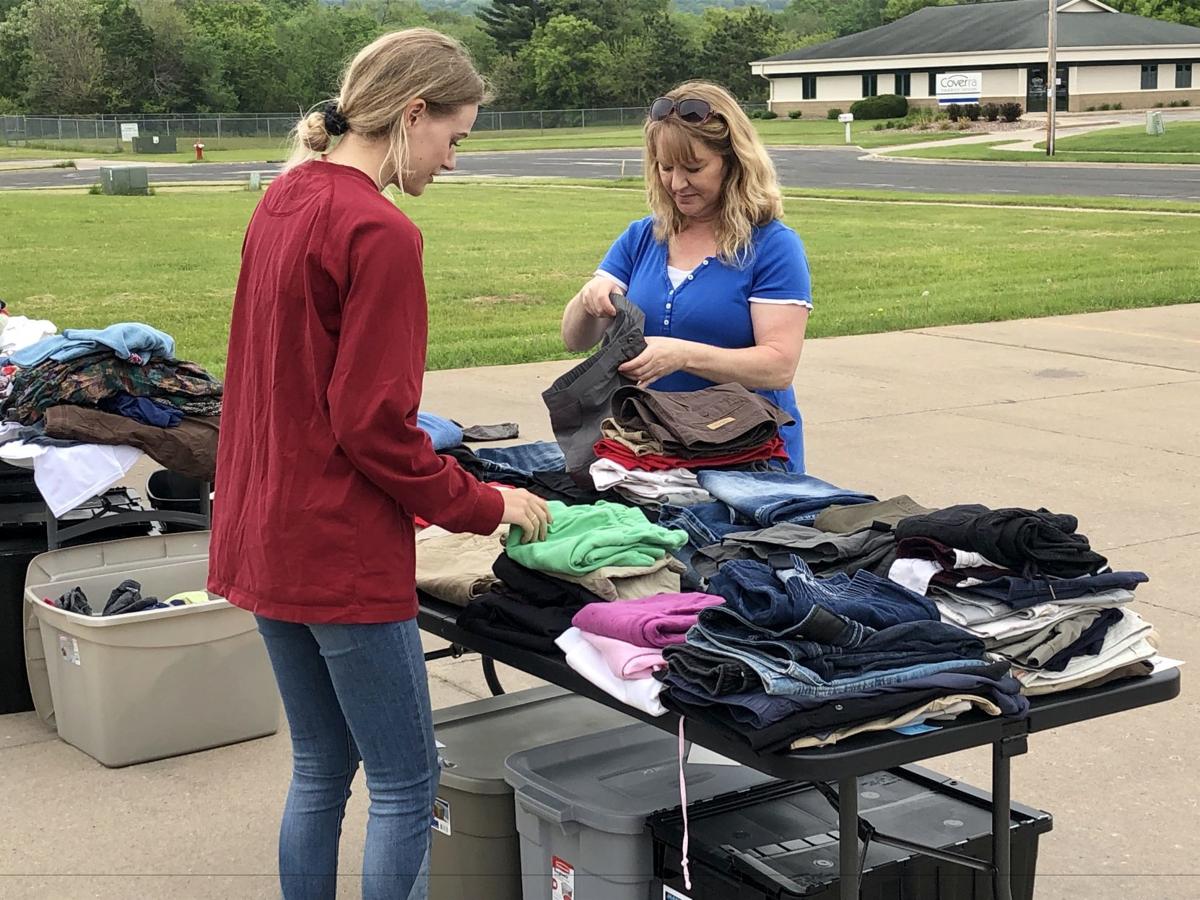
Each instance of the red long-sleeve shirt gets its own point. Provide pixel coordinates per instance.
(321, 466)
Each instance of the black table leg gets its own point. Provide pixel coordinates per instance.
(490, 676)
(848, 837)
(1002, 753)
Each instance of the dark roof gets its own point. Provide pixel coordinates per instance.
(1000, 25)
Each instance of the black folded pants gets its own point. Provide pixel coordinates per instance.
(580, 400)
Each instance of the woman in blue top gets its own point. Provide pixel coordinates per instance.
(723, 282)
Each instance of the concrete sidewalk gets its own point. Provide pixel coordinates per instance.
(1094, 415)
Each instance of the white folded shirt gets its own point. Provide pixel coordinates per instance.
(640, 693)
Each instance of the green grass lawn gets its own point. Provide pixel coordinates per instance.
(1181, 137)
(996, 153)
(813, 132)
(502, 261)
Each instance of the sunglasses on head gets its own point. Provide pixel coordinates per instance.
(691, 110)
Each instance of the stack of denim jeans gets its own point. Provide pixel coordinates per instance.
(792, 659)
(748, 501)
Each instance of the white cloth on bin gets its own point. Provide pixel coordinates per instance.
(70, 476)
(640, 693)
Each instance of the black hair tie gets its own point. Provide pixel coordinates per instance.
(335, 122)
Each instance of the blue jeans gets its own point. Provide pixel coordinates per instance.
(781, 600)
(784, 678)
(524, 459)
(355, 693)
(772, 497)
(442, 432)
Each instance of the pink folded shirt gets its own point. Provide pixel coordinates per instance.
(658, 621)
(624, 659)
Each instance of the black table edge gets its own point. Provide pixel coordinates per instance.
(860, 755)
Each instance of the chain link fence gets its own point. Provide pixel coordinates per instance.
(221, 131)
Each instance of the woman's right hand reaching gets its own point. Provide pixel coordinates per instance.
(528, 511)
(593, 297)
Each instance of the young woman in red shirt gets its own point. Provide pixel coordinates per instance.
(322, 467)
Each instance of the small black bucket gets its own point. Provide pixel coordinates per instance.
(171, 492)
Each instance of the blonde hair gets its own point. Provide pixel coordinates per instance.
(379, 84)
(750, 193)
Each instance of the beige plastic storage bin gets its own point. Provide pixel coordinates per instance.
(131, 688)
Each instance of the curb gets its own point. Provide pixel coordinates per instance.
(1168, 167)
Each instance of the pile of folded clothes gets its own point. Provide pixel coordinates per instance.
(592, 553)
(619, 646)
(821, 613)
(761, 515)
(655, 442)
(791, 660)
(85, 405)
(1030, 586)
(111, 368)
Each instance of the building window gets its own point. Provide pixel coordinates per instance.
(870, 85)
(1150, 77)
(1183, 75)
(933, 84)
(903, 84)
(810, 87)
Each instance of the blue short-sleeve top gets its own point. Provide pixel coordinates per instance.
(712, 304)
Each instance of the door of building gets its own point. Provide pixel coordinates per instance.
(1035, 94)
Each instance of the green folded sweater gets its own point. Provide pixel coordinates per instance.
(582, 539)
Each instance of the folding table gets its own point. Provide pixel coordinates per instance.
(845, 761)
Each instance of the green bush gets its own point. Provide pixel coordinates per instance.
(1089, 109)
(972, 111)
(755, 114)
(833, 113)
(770, 114)
(1160, 104)
(1104, 107)
(795, 113)
(1118, 106)
(954, 111)
(1185, 102)
(991, 111)
(1011, 111)
(885, 106)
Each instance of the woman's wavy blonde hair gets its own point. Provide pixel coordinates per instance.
(379, 84)
(750, 194)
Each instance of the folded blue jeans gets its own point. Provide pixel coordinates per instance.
(772, 497)
(524, 459)
(910, 643)
(782, 600)
(780, 678)
(442, 432)
(763, 710)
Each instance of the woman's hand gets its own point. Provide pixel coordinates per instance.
(663, 356)
(528, 511)
(593, 297)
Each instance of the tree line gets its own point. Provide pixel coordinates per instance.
(151, 56)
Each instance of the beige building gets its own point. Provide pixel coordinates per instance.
(996, 51)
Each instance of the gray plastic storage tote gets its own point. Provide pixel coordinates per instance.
(476, 849)
(145, 685)
(582, 807)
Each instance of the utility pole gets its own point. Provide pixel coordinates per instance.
(1051, 76)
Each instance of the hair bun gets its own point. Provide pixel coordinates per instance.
(335, 122)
